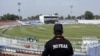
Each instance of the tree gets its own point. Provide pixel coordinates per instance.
(55, 13)
(61, 18)
(33, 17)
(88, 15)
(69, 17)
(0, 17)
(81, 17)
(9, 17)
(36, 17)
(96, 16)
(30, 18)
(73, 17)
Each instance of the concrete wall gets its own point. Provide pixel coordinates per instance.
(89, 21)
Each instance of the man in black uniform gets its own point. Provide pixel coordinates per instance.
(58, 46)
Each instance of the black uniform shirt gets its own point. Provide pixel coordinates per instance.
(58, 46)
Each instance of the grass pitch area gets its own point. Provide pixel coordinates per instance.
(45, 31)
(73, 32)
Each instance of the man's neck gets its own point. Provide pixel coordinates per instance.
(58, 36)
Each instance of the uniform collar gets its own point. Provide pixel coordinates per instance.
(58, 37)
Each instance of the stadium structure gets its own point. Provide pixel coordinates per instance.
(48, 19)
(18, 47)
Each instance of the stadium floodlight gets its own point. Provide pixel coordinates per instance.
(71, 10)
(19, 10)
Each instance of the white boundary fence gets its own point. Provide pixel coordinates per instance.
(89, 21)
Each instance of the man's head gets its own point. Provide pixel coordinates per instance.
(58, 29)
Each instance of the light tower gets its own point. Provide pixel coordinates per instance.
(71, 7)
(19, 10)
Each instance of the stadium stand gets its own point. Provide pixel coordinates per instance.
(8, 22)
(20, 52)
(94, 50)
(11, 47)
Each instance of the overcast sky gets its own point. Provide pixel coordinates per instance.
(62, 7)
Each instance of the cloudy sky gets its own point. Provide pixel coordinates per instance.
(62, 7)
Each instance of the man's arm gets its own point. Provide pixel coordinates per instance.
(71, 49)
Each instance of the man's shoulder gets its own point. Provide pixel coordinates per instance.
(49, 41)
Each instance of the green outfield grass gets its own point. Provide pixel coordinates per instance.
(71, 31)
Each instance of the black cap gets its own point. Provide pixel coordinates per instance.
(58, 28)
